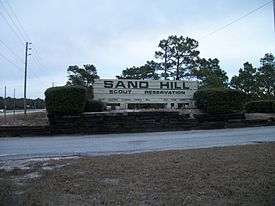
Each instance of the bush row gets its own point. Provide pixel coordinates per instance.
(94, 106)
(220, 101)
(70, 100)
(265, 106)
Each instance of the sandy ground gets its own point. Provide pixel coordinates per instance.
(240, 175)
(31, 119)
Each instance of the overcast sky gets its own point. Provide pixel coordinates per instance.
(115, 34)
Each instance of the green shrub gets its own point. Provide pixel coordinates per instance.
(94, 106)
(264, 106)
(220, 101)
(90, 94)
(65, 100)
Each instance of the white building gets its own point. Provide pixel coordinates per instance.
(131, 94)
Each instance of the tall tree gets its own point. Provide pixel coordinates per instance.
(246, 80)
(165, 55)
(84, 76)
(266, 76)
(210, 74)
(147, 71)
(183, 55)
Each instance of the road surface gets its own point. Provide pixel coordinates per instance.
(37, 147)
(10, 112)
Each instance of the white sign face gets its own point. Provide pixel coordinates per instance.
(143, 91)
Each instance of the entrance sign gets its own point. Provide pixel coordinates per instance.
(128, 91)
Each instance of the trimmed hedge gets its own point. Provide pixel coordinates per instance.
(94, 106)
(264, 106)
(65, 100)
(220, 101)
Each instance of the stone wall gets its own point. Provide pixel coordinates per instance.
(156, 121)
(122, 122)
(19, 131)
(126, 122)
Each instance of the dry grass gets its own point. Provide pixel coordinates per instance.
(31, 119)
(241, 175)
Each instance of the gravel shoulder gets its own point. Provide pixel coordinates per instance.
(239, 175)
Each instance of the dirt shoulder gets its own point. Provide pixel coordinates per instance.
(240, 175)
(31, 119)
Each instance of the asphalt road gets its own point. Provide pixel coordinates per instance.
(37, 147)
(10, 112)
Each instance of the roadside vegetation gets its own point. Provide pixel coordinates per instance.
(177, 58)
(220, 101)
(68, 100)
(264, 106)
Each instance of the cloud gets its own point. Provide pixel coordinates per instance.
(117, 34)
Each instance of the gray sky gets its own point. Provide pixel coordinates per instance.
(115, 34)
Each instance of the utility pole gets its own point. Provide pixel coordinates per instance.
(274, 12)
(5, 104)
(25, 76)
(14, 104)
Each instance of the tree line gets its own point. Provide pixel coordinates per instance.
(178, 58)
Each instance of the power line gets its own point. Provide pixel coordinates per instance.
(18, 21)
(11, 51)
(14, 31)
(20, 32)
(36, 53)
(36, 58)
(32, 72)
(25, 35)
(238, 19)
(13, 22)
(10, 61)
(20, 28)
